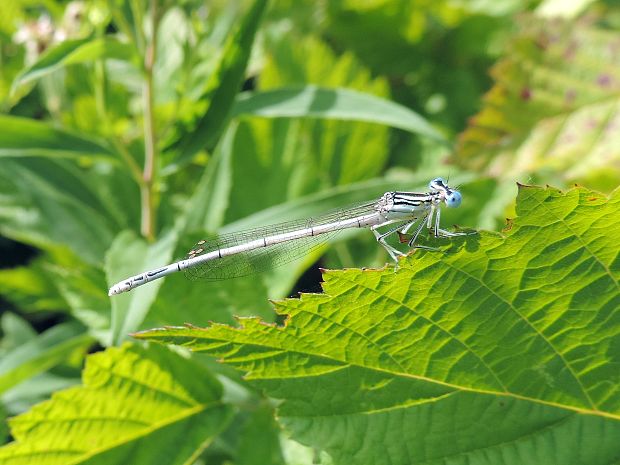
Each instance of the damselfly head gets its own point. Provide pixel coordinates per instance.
(453, 199)
(450, 196)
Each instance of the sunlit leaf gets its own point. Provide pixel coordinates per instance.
(136, 406)
(72, 52)
(315, 153)
(500, 349)
(553, 111)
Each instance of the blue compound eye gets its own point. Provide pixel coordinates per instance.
(453, 199)
(437, 184)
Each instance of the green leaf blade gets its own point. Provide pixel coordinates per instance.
(224, 84)
(136, 406)
(23, 137)
(396, 367)
(337, 103)
(71, 52)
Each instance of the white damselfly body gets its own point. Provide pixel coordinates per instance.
(243, 253)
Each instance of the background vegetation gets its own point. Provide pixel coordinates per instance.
(132, 128)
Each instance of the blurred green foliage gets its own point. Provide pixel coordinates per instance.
(132, 128)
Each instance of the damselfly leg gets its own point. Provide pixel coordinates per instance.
(442, 232)
(392, 251)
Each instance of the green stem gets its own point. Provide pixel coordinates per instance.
(147, 224)
(100, 103)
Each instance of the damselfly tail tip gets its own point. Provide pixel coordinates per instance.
(119, 288)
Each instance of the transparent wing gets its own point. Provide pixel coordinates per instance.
(264, 258)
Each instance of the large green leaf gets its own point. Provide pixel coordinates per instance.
(501, 349)
(554, 108)
(136, 406)
(333, 103)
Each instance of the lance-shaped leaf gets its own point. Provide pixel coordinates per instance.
(339, 103)
(138, 406)
(223, 85)
(23, 137)
(501, 349)
(71, 52)
(554, 106)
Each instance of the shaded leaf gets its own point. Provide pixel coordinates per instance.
(259, 441)
(4, 430)
(498, 350)
(49, 203)
(553, 110)
(34, 390)
(48, 349)
(16, 331)
(206, 208)
(30, 287)
(24, 137)
(83, 289)
(333, 103)
(136, 406)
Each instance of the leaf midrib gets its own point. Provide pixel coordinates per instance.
(345, 364)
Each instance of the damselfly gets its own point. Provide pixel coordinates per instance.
(243, 253)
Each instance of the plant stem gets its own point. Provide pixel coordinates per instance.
(102, 112)
(147, 224)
